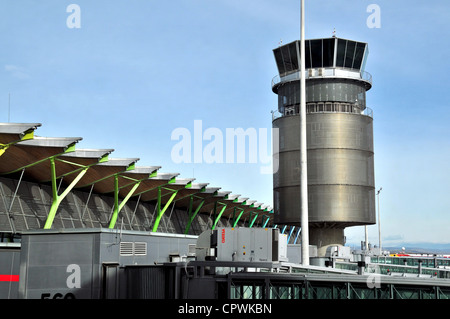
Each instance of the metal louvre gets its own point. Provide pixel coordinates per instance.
(140, 249)
(133, 249)
(126, 249)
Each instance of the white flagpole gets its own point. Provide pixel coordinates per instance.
(303, 157)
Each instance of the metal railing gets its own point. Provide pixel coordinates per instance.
(324, 73)
(312, 108)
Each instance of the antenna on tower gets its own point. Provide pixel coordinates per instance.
(334, 32)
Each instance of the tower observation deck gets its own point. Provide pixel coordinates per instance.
(340, 157)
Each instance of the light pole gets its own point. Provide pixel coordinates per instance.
(379, 221)
(303, 163)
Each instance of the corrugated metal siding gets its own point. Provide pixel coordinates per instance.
(148, 282)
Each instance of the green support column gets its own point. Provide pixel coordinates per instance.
(215, 212)
(191, 202)
(3, 148)
(265, 223)
(160, 211)
(188, 226)
(251, 223)
(158, 202)
(117, 207)
(58, 198)
(237, 219)
(249, 219)
(218, 216)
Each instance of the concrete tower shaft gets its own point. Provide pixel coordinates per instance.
(340, 155)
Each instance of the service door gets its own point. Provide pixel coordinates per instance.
(110, 280)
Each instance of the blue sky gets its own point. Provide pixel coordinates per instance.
(137, 70)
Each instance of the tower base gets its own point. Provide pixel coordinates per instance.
(323, 238)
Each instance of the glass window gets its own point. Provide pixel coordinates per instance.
(307, 54)
(349, 55)
(286, 58)
(294, 56)
(316, 53)
(328, 52)
(279, 60)
(359, 54)
(342, 44)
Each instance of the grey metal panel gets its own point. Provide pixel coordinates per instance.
(327, 130)
(243, 244)
(340, 130)
(9, 265)
(341, 166)
(17, 128)
(46, 261)
(88, 153)
(327, 166)
(343, 205)
(340, 170)
(40, 141)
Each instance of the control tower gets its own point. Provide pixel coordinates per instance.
(339, 130)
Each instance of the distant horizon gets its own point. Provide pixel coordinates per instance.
(443, 248)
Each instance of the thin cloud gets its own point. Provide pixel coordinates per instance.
(17, 72)
(393, 238)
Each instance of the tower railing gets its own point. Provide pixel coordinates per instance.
(324, 107)
(324, 73)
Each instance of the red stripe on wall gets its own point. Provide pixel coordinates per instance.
(9, 277)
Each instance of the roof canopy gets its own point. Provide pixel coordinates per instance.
(45, 159)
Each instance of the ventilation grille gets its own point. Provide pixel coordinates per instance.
(140, 249)
(133, 249)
